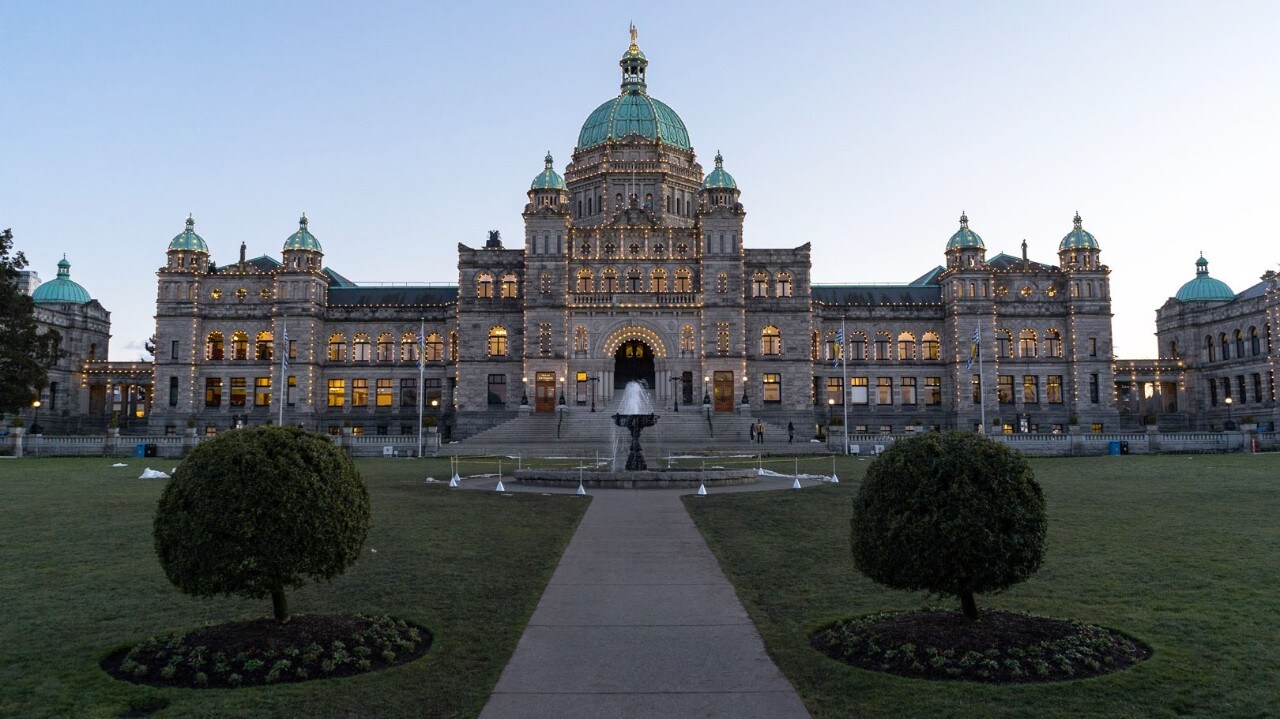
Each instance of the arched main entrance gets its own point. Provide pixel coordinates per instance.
(633, 361)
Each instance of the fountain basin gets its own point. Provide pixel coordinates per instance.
(641, 479)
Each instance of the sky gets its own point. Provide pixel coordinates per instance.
(404, 128)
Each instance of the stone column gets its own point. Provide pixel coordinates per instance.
(16, 432)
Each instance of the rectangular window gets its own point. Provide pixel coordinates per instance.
(1004, 389)
(1257, 388)
(1226, 388)
(409, 392)
(1093, 346)
(431, 393)
(772, 388)
(1030, 389)
(932, 390)
(722, 338)
(833, 391)
(1093, 388)
(293, 350)
(261, 391)
(382, 393)
(173, 391)
(977, 389)
(1213, 393)
(359, 393)
(291, 390)
(858, 390)
(884, 390)
(1053, 388)
(497, 389)
(1240, 385)
(544, 339)
(173, 349)
(239, 391)
(907, 390)
(213, 391)
(337, 392)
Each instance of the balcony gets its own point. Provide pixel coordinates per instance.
(633, 299)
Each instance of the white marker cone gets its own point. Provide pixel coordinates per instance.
(835, 479)
(702, 489)
(581, 490)
(759, 471)
(454, 482)
(796, 483)
(500, 488)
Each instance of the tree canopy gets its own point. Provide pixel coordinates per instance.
(26, 353)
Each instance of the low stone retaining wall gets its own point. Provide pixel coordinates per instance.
(645, 479)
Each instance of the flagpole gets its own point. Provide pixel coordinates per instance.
(844, 382)
(421, 390)
(284, 363)
(982, 392)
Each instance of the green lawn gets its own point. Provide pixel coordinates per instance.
(79, 577)
(1181, 551)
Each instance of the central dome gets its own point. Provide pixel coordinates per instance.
(634, 112)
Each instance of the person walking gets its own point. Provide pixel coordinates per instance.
(791, 432)
(753, 432)
(760, 432)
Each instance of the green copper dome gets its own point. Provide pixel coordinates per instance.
(965, 238)
(633, 112)
(303, 239)
(719, 179)
(1203, 288)
(1078, 238)
(188, 240)
(548, 179)
(61, 290)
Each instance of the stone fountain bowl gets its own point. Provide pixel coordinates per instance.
(642, 479)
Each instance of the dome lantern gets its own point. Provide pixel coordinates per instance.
(188, 240)
(1204, 288)
(548, 179)
(634, 111)
(1078, 238)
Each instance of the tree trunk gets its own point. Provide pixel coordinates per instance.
(280, 605)
(968, 605)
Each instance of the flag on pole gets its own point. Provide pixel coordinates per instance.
(839, 346)
(284, 353)
(973, 348)
(422, 344)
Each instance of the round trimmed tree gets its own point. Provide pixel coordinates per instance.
(953, 514)
(258, 510)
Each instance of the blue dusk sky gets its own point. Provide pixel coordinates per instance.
(865, 129)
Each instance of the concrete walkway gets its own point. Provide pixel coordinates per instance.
(639, 621)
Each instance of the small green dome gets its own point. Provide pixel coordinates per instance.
(188, 240)
(1204, 288)
(303, 239)
(719, 179)
(633, 112)
(1078, 238)
(965, 238)
(548, 179)
(61, 290)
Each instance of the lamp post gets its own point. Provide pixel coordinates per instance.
(675, 402)
(593, 381)
(1229, 426)
(706, 398)
(35, 417)
(562, 402)
(831, 405)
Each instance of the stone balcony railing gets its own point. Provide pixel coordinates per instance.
(633, 299)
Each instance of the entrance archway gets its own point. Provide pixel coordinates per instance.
(633, 361)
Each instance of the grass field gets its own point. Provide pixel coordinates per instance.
(1181, 551)
(79, 577)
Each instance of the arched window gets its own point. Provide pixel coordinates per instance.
(815, 345)
(433, 347)
(409, 347)
(858, 347)
(585, 283)
(484, 286)
(1239, 343)
(509, 286)
(1053, 343)
(1004, 343)
(1255, 344)
(782, 284)
(609, 280)
(1226, 346)
(498, 342)
(759, 284)
(1027, 343)
(771, 341)
(906, 346)
(580, 340)
(386, 347)
(686, 340)
(361, 348)
(1210, 354)
(684, 280)
(883, 346)
(658, 280)
(633, 280)
(239, 345)
(930, 348)
(263, 346)
(337, 347)
(212, 346)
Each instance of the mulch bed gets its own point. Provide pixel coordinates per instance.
(263, 651)
(999, 647)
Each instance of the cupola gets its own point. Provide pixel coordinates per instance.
(548, 188)
(61, 289)
(187, 250)
(302, 251)
(634, 111)
(719, 187)
(965, 248)
(1078, 249)
(1203, 288)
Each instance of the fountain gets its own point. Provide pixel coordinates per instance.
(634, 413)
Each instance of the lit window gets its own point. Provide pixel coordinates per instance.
(658, 280)
(498, 342)
(933, 390)
(434, 347)
(906, 346)
(239, 391)
(484, 286)
(759, 285)
(509, 286)
(408, 347)
(213, 392)
(361, 348)
(261, 391)
(1027, 344)
(783, 284)
(337, 392)
(907, 390)
(386, 347)
(359, 393)
(337, 347)
(382, 393)
(771, 341)
(858, 390)
(213, 346)
(239, 346)
(772, 388)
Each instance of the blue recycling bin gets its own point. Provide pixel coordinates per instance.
(140, 450)
(1114, 448)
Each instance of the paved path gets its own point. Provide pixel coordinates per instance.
(639, 621)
